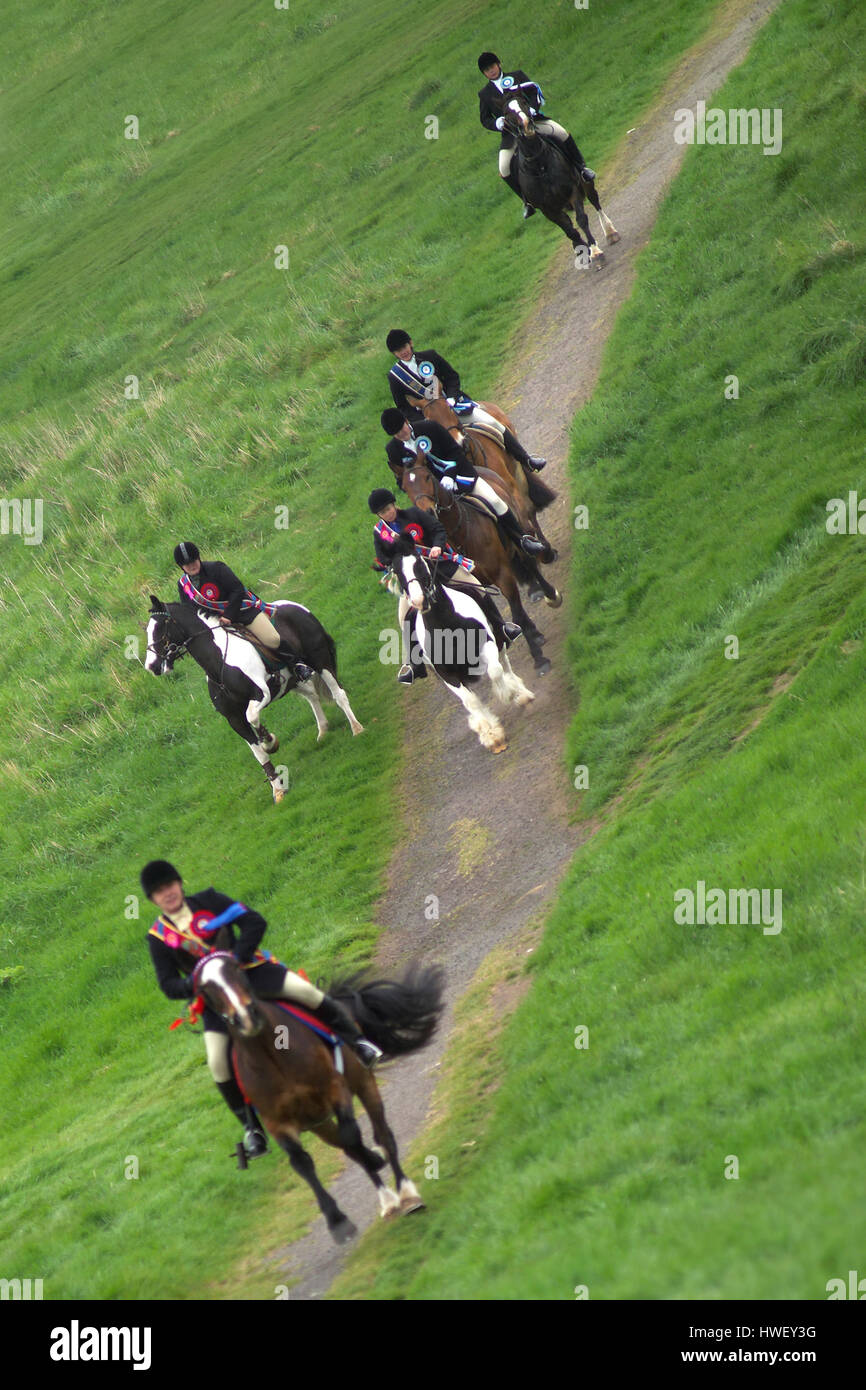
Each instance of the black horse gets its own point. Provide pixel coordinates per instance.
(239, 682)
(551, 183)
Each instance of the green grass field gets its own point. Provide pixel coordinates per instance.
(609, 1167)
(258, 389)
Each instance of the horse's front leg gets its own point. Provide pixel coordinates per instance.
(339, 1225)
(236, 717)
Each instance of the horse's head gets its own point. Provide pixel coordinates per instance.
(170, 634)
(220, 979)
(161, 651)
(420, 487)
(442, 413)
(518, 113)
(413, 572)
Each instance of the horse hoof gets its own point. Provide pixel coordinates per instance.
(273, 746)
(344, 1231)
(542, 667)
(278, 794)
(357, 728)
(501, 746)
(597, 260)
(410, 1204)
(554, 555)
(556, 601)
(611, 238)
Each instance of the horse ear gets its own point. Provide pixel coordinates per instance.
(157, 605)
(223, 940)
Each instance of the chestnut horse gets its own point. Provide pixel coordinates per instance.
(297, 1082)
(529, 494)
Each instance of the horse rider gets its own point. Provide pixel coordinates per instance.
(490, 98)
(430, 443)
(412, 376)
(217, 589)
(452, 569)
(184, 932)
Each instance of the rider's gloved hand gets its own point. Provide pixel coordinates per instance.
(500, 122)
(449, 484)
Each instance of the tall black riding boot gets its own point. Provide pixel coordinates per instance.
(516, 449)
(510, 526)
(514, 184)
(570, 150)
(255, 1142)
(504, 633)
(335, 1016)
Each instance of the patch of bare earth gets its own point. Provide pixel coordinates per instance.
(516, 805)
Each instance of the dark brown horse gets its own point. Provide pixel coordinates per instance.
(550, 182)
(296, 1081)
(474, 533)
(528, 494)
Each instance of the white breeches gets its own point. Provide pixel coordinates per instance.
(483, 490)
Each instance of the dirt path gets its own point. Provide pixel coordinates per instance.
(460, 844)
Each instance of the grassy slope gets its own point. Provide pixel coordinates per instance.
(605, 1166)
(259, 388)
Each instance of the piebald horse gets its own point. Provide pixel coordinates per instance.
(239, 683)
(456, 640)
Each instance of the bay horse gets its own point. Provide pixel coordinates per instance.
(474, 533)
(458, 643)
(549, 181)
(297, 1082)
(528, 494)
(239, 683)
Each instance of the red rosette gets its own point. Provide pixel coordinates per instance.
(210, 591)
(413, 529)
(198, 926)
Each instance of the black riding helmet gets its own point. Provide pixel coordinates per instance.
(380, 497)
(486, 61)
(186, 553)
(156, 874)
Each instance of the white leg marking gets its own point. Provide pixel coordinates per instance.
(339, 695)
(389, 1202)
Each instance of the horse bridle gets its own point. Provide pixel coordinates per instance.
(175, 651)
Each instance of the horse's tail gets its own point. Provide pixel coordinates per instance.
(399, 1016)
(540, 495)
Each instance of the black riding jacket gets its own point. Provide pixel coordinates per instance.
(402, 393)
(229, 589)
(174, 965)
(490, 102)
(433, 532)
(437, 448)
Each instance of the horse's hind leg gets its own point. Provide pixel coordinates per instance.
(408, 1196)
(339, 1225)
(311, 695)
(610, 232)
(348, 1138)
(340, 697)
